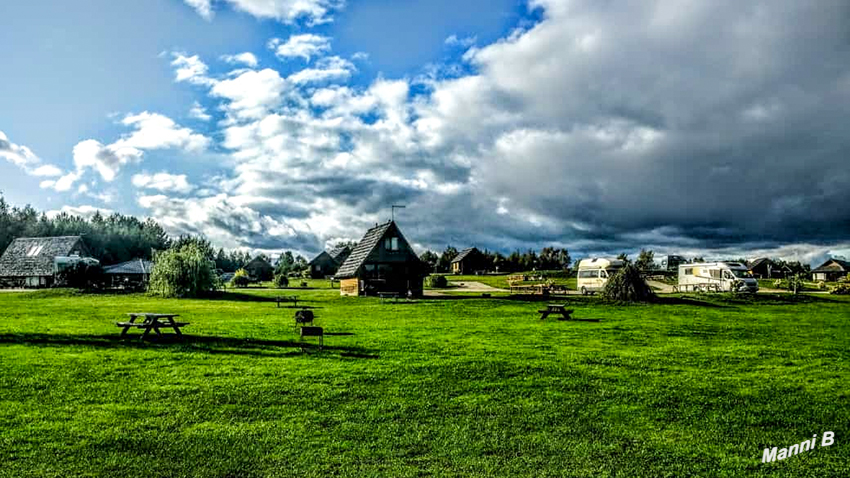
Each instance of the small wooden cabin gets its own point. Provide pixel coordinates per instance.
(259, 269)
(323, 265)
(467, 261)
(831, 270)
(34, 261)
(383, 261)
(133, 274)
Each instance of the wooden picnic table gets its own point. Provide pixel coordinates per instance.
(286, 298)
(151, 322)
(556, 309)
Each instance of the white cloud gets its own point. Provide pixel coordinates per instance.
(251, 94)
(156, 131)
(247, 59)
(464, 42)
(199, 112)
(85, 211)
(105, 159)
(163, 182)
(190, 69)
(23, 157)
(287, 11)
(304, 46)
(327, 69)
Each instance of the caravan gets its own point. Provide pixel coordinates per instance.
(716, 276)
(594, 273)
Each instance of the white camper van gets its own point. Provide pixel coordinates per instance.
(717, 276)
(594, 273)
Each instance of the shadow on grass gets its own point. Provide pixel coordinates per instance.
(188, 343)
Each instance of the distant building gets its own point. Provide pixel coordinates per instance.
(467, 261)
(323, 265)
(340, 254)
(764, 268)
(129, 275)
(831, 270)
(34, 261)
(671, 263)
(259, 269)
(383, 261)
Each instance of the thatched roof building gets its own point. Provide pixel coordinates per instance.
(32, 261)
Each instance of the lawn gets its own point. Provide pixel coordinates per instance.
(501, 281)
(452, 387)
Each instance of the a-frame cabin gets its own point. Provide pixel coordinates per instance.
(383, 261)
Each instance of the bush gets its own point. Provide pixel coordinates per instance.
(841, 289)
(821, 285)
(627, 285)
(81, 275)
(183, 272)
(240, 279)
(281, 281)
(795, 283)
(438, 282)
(777, 283)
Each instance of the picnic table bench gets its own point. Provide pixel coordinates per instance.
(151, 322)
(556, 309)
(286, 298)
(313, 332)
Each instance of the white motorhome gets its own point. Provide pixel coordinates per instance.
(594, 273)
(716, 276)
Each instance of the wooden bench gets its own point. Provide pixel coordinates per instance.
(556, 309)
(151, 322)
(313, 332)
(286, 298)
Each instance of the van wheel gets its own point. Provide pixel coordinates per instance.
(583, 290)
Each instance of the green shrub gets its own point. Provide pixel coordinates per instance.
(627, 285)
(795, 283)
(841, 289)
(821, 285)
(240, 279)
(83, 275)
(777, 283)
(281, 281)
(438, 282)
(183, 272)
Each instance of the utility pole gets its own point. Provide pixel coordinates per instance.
(394, 207)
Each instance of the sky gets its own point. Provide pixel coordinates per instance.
(698, 127)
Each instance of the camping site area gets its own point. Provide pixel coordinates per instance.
(449, 386)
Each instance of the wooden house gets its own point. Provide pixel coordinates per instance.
(133, 274)
(340, 254)
(323, 265)
(467, 261)
(383, 261)
(35, 261)
(259, 269)
(764, 268)
(831, 270)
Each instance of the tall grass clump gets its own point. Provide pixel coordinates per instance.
(627, 285)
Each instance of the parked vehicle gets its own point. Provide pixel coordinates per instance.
(594, 273)
(716, 276)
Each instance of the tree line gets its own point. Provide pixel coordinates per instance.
(548, 258)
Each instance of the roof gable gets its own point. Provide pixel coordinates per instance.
(322, 257)
(136, 266)
(834, 265)
(258, 262)
(464, 254)
(340, 254)
(34, 256)
(368, 246)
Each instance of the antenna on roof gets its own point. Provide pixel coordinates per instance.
(394, 207)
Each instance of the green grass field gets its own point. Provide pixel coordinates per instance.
(501, 281)
(450, 387)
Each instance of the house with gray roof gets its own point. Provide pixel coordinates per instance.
(132, 274)
(383, 261)
(831, 270)
(34, 261)
(467, 261)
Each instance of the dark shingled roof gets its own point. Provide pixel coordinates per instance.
(462, 254)
(16, 263)
(756, 262)
(361, 252)
(319, 257)
(340, 254)
(828, 266)
(136, 266)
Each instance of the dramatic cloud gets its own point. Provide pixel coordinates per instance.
(287, 11)
(163, 182)
(24, 158)
(304, 46)
(601, 128)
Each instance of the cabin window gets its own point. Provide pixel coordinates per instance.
(715, 274)
(727, 275)
(35, 250)
(391, 244)
(587, 274)
(370, 267)
(689, 271)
